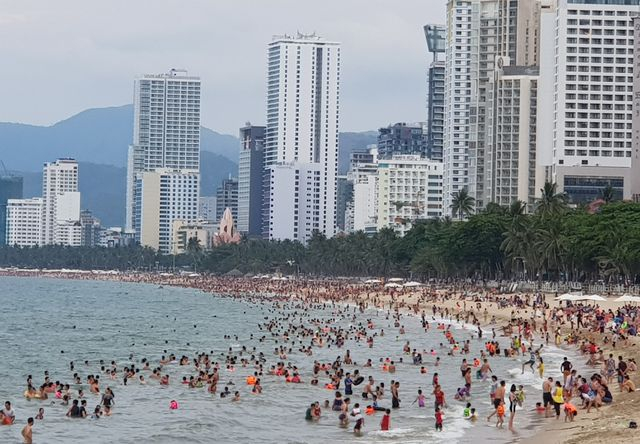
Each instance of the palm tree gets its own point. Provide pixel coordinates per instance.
(607, 194)
(461, 203)
(551, 246)
(494, 208)
(517, 208)
(551, 203)
(194, 249)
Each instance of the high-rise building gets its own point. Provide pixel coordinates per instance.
(479, 33)
(24, 222)
(61, 200)
(457, 98)
(10, 188)
(163, 196)
(409, 189)
(301, 142)
(635, 147)
(436, 43)
(401, 138)
(250, 180)
(166, 134)
(227, 197)
(586, 92)
(515, 172)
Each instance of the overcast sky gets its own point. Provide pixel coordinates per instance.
(61, 57)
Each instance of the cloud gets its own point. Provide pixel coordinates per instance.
(65, 56)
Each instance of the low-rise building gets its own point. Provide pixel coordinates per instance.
(203, 231)
(24, 222)
(409, 189)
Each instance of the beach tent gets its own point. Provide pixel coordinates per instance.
(413, 284)
(628, 298)
(234, 273)
(569, 297)
(393, 285)
(396, 280)
(593, 297)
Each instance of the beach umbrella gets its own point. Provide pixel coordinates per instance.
(413, 284)
(234, 273)
(373, 281)
(594, 297)
(393, 285)
(569, 297)
(628, 298)
(396, 280)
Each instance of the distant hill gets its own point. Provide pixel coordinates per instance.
(99, 135)
(99, 138)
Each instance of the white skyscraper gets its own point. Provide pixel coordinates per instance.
(166, 139)
(166, 127)
(586, 97)
(60, 197)
(301, 144)
(457, 99)
(479, 34)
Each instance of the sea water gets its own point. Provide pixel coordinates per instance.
(46, 323)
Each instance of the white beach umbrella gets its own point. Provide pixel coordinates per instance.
(393, 285)
(396, 280)
(373, 281)
(594, 297)
(569, 297)
(628, 298)
(413, 284)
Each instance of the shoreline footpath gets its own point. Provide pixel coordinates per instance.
(596, 427)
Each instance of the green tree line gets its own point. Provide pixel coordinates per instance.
(554, 242)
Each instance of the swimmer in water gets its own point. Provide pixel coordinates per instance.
(27, 432)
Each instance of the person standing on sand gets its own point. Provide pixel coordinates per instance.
(27, 432)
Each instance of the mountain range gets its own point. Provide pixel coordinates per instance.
(99, 138)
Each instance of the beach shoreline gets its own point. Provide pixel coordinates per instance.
(597, 427)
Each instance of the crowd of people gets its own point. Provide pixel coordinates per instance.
(527, 324)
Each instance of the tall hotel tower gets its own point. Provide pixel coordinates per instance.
(301, 143)
(165, 154)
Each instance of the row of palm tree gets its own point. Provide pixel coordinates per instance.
(554, 242)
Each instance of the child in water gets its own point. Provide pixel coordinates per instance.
(420, 399)
(500, 414)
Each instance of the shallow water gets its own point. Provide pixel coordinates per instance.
(91, 320)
